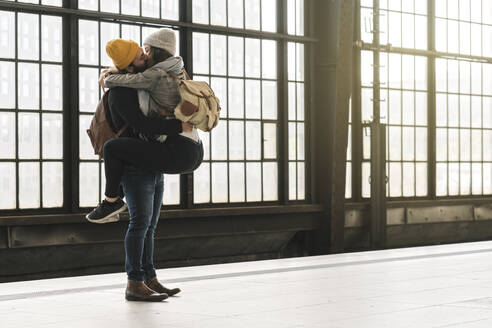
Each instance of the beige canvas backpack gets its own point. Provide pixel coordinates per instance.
(199, 105)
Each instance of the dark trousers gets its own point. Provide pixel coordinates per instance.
(143, 191)
(177, 155)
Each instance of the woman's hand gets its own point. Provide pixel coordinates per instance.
(187, 127)
(105, 72)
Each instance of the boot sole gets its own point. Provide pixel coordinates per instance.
(113, 217)
(140, 299)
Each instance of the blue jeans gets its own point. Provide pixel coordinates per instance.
(143, 191)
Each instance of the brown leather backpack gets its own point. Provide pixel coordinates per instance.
(101, 129)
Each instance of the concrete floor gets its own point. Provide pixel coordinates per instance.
(438, 286)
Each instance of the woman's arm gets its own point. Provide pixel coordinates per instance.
(143, 80)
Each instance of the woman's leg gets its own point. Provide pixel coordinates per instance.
(148, 253)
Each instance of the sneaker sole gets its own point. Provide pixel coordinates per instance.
(113, 217)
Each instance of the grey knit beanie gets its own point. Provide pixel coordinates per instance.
(163, 38)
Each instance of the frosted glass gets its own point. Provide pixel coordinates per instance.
(421, 144)
(29, 196)
(301, 183)
(219, 141)
(150, 8)
(394, 105)
(292, 141)
(253, 99)
(219, 85)
(487, 112)
(268, 15)
(85, 147)
(171, 189)
(300, 141)
(270, 181)
(170, 9)
(348, 180)
(421, 175)
(394, 140)
(7, 34)
(408, 179)
(395, 183)
(28, 84)
(407, 74)
(292, 100)
(394, 28)
(88, 184)
(476, 40)
(421, 108)
(394, 71)
(88, 42)
(291, 16)
(253, 182)
(300, 101)
(408, 112)
(235, 56)
(109, 31)
(252, 57)
(253, 140)
(441, 144)
(292, 181)
(218, 54)
(421, 32)
(252, 14)
(465, 179)
(291, 61)
(367, 105)
(366, 173)
(28, 36)
(269, 59)
(367, 69)
(441, 179)
(299, 17)
(52, 136)
(52, 184)
(88, 4)
(7, 135)
(88, 89)
(464, 111)
(420, 73)
(205, 138)
(200, 11)
(52, 87)
(476, 178)
(487, 178)
(236, 182)
(465, 150)
(28, 130)
(51, 37)
(200, 53)
(236, 140)
(408, 36)
(128, 7)
(269, 100)
(218, 12)
(7, 186)
(201, 184)
(269, 141)
(7, 85)
(235, 13)
(453, 144)
(130, 32)
(219, 183)
(454, 178)
(408, 144)
(476, 145)
(112, 6)
(236, 98)
(453, 76)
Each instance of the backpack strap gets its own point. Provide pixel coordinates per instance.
(118, 134)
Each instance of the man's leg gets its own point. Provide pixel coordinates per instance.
(139, 188)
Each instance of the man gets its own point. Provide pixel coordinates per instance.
(143, 189)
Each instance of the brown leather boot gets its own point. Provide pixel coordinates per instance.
(138, 291)
(155, 285)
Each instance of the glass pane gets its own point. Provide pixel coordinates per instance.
(53, 184)
(269, 99)
(270, 190)
(366, 174)
(130, 32)
(269, 140)
(300, 181)
(236, 182)
(253, 182)
(200, 53)
(28, 36)
(300, 101)
(51, 33)
(408, 179)
(128, 7)
(421, 175)
(269, 59)
(7, 135)
(253, 99)
(28, 84)
(28, 129)
(252, 15)
(88, 4)
(7, 34)
(201, 184)
(85, 147)
(235, 11)
(29, 196)
(252, 58)
(292, 181)
(219, 85)
(395, 183)
(170, 9)
(236, 56)
(7, 85)
(109, 31)
(112, 6)
(236, 140)
(7, 186)
(52, 87)
(150, 8)
(219, 182)
(171, 189)
(218, 54)
(236, 98)
(300, 141)
(394, 141)
(52, 136)
(453, 144)
(219, 141)
(408, 143)
(253, 140)
(218, 12)
(88, 42)
(88, 184)
(88, 89)
(268, 15)
(200, 11)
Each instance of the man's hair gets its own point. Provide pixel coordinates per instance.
(158, 55)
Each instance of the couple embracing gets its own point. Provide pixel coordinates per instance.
(143, 91)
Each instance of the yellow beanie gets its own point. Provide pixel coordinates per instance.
(122, 52)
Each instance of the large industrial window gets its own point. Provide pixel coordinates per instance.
(438, 46)
(49, 92)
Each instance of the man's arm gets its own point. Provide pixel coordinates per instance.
(124, 101)
(143, 80)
